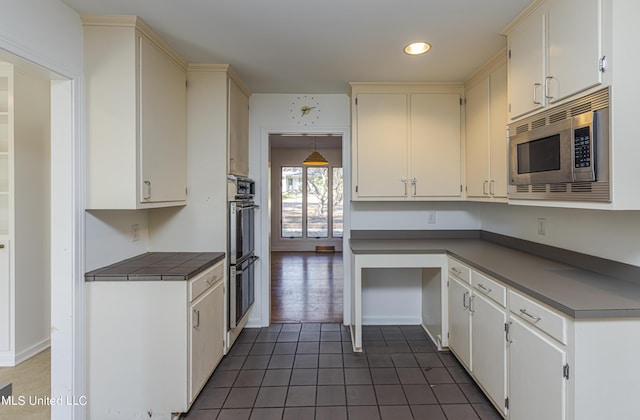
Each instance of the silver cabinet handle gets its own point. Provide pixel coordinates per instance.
(535, 318)
(464, 300)
(414, 181)
(492, 184)
(147, 184)
(485, 288)
(404, 181)
(535, 93)
(456, 271)
(196, 324)
(484, 187)
(212, 280)
(546, 87)
(471, 304)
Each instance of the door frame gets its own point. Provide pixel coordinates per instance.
(263, 197)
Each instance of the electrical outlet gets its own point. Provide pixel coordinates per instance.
(135, 232)
(542, 227)
(431, 217)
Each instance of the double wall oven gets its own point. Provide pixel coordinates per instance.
(241, 248)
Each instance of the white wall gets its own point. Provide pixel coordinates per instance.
(109, 239)
(413, 215)
(272, 113)
(608, 234)
(49, 34)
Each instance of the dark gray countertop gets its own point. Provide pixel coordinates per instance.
(5, 390)
(155, 266)
(574, 291)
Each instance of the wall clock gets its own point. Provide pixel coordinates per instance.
(305, 110)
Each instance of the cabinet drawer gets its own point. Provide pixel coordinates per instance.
(205, 280)
(489, 288)
(459, 270)
(536, 314)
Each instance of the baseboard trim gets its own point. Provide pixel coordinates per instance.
(11, 359)
(391, 320)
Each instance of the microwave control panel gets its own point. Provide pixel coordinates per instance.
(582, 147)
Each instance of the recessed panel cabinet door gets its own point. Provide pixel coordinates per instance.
(575, 43)
(206, 337)
(537, 388)
(460, 320)
(526, 65)
(490, 347)
(498, 132)
(163, 147)
(435, 144)
(382, 123)
(477, 140)
(238, 130)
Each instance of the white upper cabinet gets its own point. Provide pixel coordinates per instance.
(575, 47)
(406, 142)
(435, 144)
(486, 139)
(526, 45)
(238, 129)
(555, 51)
(136, 116)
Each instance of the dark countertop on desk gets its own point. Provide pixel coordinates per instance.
(156, 266)
(577, 292)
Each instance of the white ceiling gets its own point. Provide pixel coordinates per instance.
(298, 46)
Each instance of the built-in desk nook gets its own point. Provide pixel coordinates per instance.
(529, 322)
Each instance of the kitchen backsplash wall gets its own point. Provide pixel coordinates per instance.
(608, 234)
(110, 238)
(414, 216)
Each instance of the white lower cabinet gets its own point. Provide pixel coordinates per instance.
(489, 348)
(152, 345)
(460, 320)
(205, 337)
(537, 386)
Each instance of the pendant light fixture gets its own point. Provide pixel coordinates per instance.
(315, 158)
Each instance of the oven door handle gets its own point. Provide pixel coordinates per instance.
(243, 208)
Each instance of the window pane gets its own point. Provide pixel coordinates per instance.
(291, 202)
(317, 202)
(337, 211)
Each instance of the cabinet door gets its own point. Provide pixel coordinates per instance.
(382, 145)
(163, 109)
(526, 65)
(206, 337)
(238, 130)
(498, 132)
(537, 388)
(489, 347)
(435, 144)
(575, 47)
(477, 140)
(460, 320)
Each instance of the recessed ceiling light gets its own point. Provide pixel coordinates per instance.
(417, 48)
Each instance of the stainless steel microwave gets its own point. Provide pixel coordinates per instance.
(563, 153)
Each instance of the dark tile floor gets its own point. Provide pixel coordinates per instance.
(306, 371)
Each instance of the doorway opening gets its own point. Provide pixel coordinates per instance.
(307, 219)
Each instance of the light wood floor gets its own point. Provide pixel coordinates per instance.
(306, 287)
(31, 378)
